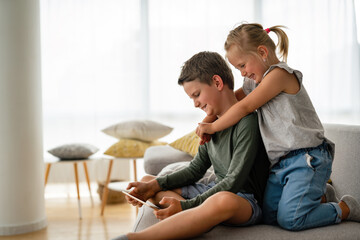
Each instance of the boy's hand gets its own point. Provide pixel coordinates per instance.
(172, 205)
(142, 190)
(206, 138)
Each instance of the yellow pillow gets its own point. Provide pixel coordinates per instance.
(130, 148)
(188, 143)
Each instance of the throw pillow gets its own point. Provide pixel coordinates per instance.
(130, 148)
(174, 167)
(188, 143)
(145, 130)
(73, 151)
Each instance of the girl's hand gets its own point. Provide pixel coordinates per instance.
(173, 207)
(206, 137)
(204, 128)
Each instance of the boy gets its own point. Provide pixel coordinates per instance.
(237, 155)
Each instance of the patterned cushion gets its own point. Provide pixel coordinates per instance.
(128, 148)
(188, 143)
(73, 151)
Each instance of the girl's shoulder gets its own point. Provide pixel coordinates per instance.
(289, 80)
(283, 70)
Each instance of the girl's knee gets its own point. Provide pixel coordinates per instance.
(287, 220)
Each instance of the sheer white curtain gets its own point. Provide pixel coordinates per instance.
(179, 29)
(108, 61)
(324, 46)
(105, 61)
(90, 55)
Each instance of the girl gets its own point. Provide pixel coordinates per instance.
(300, 156)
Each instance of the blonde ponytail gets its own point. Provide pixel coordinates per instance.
(248, 36)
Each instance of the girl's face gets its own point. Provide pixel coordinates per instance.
(250, 65)
(204, 96)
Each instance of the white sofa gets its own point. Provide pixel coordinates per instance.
(345, 178)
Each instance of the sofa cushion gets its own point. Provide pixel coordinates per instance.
(157, 157)
(345, 230)
(206, 179)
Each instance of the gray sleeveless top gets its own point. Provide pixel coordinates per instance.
(288, 121)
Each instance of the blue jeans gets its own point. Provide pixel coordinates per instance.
(294, 190)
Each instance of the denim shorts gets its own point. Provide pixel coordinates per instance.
(192, 191)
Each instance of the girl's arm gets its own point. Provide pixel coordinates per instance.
(275, 82)
(206, 137)
(209, 119)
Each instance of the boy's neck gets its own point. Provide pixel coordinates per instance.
(227, 101)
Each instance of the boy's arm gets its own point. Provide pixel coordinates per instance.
(189, 175)
(274, 83)
(244, 155)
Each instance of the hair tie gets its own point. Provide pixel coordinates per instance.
(267, 30)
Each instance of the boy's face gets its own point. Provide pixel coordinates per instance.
(204, 96)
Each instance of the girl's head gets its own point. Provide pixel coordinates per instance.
(249, 36)
(250, 44)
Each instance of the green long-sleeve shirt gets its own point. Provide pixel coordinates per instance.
(239, 159)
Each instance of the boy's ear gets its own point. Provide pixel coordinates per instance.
(218, 82)
(263, 51)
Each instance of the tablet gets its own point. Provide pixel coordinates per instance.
(149, 204)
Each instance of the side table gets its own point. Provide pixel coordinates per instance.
(50, 161)
(106, 189)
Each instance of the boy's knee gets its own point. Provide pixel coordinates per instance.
(147, 178)
(223, 201)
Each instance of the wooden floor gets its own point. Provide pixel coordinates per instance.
(64, 223)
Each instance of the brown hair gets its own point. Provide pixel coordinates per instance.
(248, 36)
(203, 66)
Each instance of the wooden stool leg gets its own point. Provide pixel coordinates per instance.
(106, 190)
(135, 179)
(135, 170)
(77, 188)
(48, 165)
(88, 182)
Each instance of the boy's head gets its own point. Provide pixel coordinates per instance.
(203, 66)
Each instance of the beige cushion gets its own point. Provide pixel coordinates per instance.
(144, 130)
(174, 167)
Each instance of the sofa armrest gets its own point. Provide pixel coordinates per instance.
(158, 157)
(346, 165)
